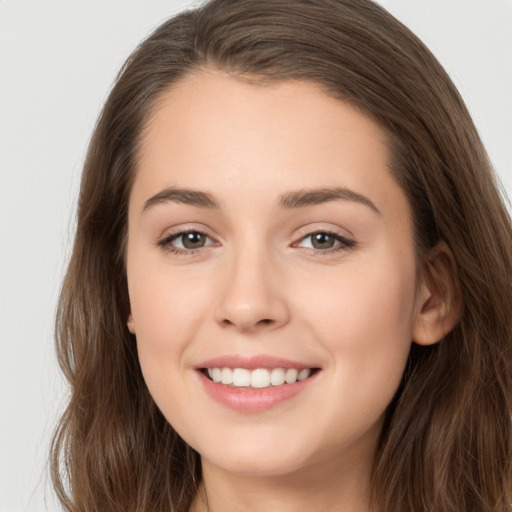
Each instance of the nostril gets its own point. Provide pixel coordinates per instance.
(260, 323)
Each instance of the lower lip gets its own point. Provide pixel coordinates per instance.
(253, 399)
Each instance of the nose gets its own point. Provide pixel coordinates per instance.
(253, 295)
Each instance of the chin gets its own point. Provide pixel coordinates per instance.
(263, 464)
(253, 453)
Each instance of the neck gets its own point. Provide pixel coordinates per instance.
(318, 487)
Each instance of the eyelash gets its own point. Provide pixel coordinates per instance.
(165, 243)
(344, 243)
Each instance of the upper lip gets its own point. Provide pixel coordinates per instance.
(253, 362)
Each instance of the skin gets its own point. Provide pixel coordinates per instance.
(258, 287)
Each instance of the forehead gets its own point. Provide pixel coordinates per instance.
(209, 101)
(219, 132)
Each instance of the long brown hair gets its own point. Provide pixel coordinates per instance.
(446, 444)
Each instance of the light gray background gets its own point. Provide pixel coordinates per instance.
(57, 61)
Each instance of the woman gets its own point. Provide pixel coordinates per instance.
(290, 284)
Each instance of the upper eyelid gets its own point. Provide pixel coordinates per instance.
(168, 239)
(320, 228)
(343, 240)
(300, 233)
(179, 230)
(165, 243)
(342, 235)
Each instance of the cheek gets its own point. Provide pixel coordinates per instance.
(166, 320)
(165, 305)
(357, 302)
(167, 309)
(364, 320)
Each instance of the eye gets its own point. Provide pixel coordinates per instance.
(190, 240)
(185, 241)
(321, 240)
(325, 241)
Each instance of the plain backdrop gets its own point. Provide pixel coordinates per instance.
(57, 62)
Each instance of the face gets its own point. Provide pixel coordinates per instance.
(269, 242)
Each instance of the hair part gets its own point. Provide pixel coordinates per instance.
(446, 444)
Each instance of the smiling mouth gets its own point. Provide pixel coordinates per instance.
(258, 378)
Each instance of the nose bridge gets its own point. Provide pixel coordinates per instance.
(253, 297)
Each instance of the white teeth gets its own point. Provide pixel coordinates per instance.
(277, 377)
(291, 375)
(241, 377)
(303, 374)
(258, 378)
(226, 376)
(216, 374)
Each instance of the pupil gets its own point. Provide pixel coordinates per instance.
(193, 240)
(322, 241)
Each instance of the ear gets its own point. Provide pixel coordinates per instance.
(131, 324)
(439, 300)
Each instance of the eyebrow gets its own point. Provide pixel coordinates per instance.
(182, 195)
(295, 199)
(311, 197)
